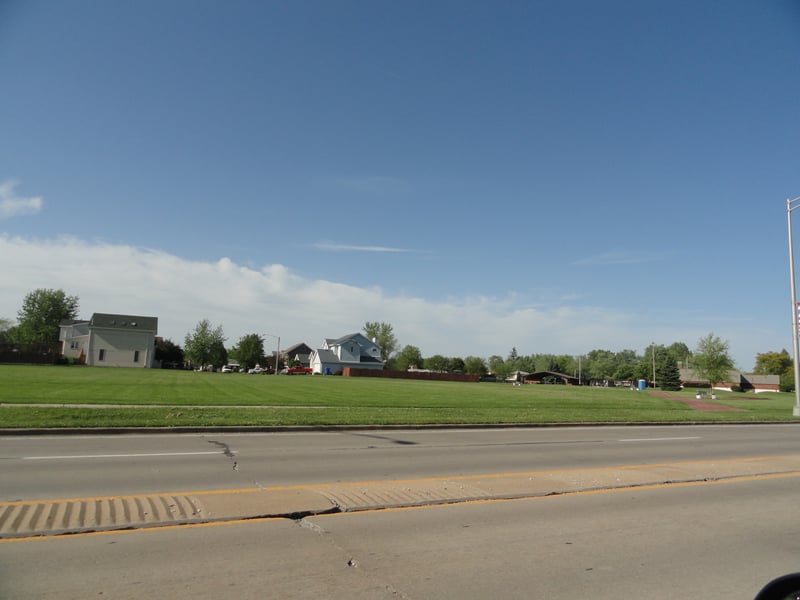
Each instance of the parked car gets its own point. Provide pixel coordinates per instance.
(298, 371)
(230, 369)
(257, 370)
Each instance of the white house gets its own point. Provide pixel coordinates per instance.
(353, 350)
(108, 340)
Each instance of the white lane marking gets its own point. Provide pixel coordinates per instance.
(136, 455)
(663, 439)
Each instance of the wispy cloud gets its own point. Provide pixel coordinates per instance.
(615, 257)
(12, 205)
(329, 247)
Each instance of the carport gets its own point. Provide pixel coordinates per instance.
(551, 377)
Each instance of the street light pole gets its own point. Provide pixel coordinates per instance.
(654, 365)
(791, 204)
(278, 353)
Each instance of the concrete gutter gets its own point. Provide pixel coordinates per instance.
(33, 518)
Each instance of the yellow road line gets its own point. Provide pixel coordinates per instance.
(303, 486)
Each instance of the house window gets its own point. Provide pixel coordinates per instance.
(135, 356)
(101, 355)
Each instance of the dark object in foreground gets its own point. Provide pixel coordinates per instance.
(786, 587)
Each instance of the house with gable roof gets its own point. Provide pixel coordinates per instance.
(298, 354)
(354, 350)
(110, 340)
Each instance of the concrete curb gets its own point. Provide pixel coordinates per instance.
(10, 431)
(36, 518)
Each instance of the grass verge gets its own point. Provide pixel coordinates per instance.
(95, 397)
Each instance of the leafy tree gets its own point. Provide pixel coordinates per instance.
(456, 365)
(777, 363)
(437, 362)
(625, 363)
(667, 375)
(202, 346)
(474, 365)
(249, 351)
(383, 334)
(772, 363)
(711, 359)
(513, 354)
(601, 364)
(168, 352)
(680, 352)
(42, 310)
(5, 327)
(409, 356)
(498, 366)
(787, 380)
(218, 355)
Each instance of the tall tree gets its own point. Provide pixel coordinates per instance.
(475, 365)
(456, 365)
(711, 359)
(409, 356)
(680, 352)
(777, 363)
(437, 362)
(772, 363)
(498, 366)
(383, 334)
(168, 352)
(202, 345)
(601, 364)
(42, 310)
(249, 351)
(668, 376)
(5, 327)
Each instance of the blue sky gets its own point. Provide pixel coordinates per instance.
(554, 176)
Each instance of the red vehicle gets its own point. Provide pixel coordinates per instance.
(299, 371)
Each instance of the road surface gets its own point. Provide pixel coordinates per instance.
(721, 538)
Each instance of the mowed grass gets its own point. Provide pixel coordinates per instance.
(108, 397)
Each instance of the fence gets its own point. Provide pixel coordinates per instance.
(38, 354)
(423, 375)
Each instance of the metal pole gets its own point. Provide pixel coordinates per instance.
(278, 353)
(654, 364)
(795, 344)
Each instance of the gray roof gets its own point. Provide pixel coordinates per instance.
(112, 321)
(327, 356)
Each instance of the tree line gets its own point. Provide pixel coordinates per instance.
(43, 309)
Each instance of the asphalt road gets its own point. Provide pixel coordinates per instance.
(709, 539)
(77, 466)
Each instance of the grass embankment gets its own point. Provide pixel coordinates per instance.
(149, 398)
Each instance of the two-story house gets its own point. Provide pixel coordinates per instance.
(109, 340)
(353, 350)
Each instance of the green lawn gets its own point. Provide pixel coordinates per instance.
(184, 398)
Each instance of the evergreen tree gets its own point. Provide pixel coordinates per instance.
(667, 374)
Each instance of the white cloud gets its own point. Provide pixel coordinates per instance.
(273, 299)
(13, 206)
(615, 257)
(330, 247)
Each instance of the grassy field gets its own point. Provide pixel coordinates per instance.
(94, 397)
